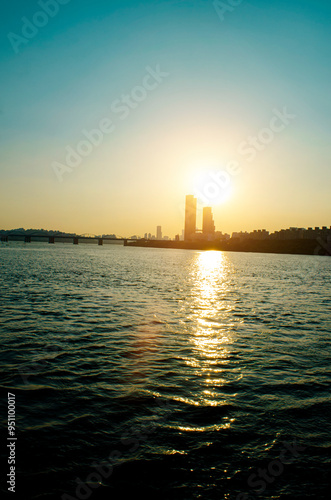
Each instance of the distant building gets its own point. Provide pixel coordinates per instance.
(259, 234)
(241, 236)
(208, 226)
(159, 233)
(219, 236)
(190, 217)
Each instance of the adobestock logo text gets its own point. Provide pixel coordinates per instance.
(123, 107)
(30, 27)
(265, 136)
(217, 183)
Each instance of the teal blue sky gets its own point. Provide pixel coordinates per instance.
(224, 79)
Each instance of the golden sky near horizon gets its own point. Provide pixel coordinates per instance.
(109, 119)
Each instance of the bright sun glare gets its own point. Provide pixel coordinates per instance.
(212, 187)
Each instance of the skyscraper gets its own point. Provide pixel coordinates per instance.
(190, 217)
(208, 226)
(158, 232)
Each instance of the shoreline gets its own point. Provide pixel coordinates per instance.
(293, 247)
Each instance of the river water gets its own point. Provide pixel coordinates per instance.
(171, 374)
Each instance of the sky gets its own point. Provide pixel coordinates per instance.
(112, 111)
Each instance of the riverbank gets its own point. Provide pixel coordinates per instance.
(299, 246)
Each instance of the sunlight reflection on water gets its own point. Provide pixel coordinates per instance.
(212, 325)
(224, 355)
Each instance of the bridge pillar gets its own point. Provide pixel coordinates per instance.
(75, 241)
(51, 240)
(4, 238)
(100, 242)
(27, 239)
(125, 243)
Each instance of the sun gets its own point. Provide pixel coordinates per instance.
(212, 187)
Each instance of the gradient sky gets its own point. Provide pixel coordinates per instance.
(224, 80)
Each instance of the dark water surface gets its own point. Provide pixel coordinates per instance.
(193, 371)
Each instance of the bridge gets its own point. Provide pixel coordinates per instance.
(52, 239)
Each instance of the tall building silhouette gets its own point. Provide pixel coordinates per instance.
(208, 226)
(158, 232)
(190, 217)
